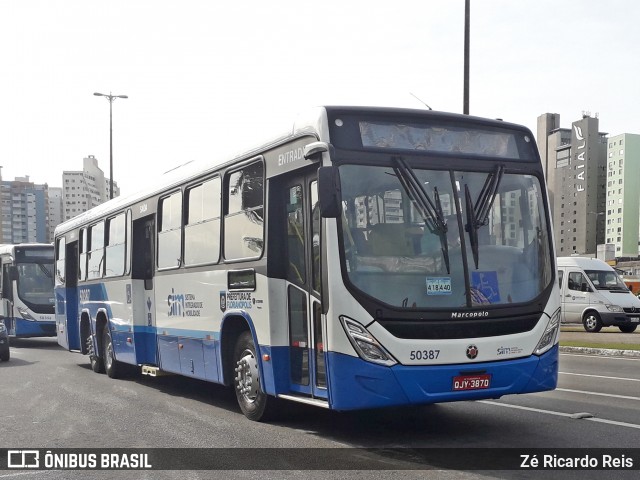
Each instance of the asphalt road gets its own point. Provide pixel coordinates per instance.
(50, 398)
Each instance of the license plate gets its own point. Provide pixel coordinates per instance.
(471, 382)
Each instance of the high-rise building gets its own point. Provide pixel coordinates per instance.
(83, 190)
(623, 194)
(576, 172)
(55, 210)
(24, 212)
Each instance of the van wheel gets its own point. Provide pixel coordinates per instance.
(627, 328)
(592, 322)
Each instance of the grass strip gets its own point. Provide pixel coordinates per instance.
(612, 346)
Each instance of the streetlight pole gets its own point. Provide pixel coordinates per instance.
(465, 88)
(110, 98)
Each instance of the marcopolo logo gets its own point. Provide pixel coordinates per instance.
(481, 314)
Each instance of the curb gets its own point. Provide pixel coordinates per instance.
(606, 352)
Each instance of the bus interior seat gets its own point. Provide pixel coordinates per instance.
(389, 239)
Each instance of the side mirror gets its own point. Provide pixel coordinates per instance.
(329, 192)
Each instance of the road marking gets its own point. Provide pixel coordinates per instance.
(15, 474)
(601, 376)
(530, 409)
(602, 357)
(624, 397)
(561, 414)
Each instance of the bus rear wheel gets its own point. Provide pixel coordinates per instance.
(254, 403)
(97, 365)
(627, 328)
(592, 322)
(111, 365)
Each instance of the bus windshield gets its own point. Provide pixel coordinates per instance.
(35, 285)
(442, 239)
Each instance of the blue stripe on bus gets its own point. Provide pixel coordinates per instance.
(27, 328)
(356, 384)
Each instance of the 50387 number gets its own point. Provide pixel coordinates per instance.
(424, 354)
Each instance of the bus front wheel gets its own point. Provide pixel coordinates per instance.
(254, 403)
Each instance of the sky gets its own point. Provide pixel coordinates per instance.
(208, 79)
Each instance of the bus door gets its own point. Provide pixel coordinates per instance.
(142, 286)
(6, 306)
(306, 332)
(68, 316)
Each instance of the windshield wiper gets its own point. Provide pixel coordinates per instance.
(478, 214)
(430, 210)
(45, 270)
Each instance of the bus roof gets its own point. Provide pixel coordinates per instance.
(313, 121)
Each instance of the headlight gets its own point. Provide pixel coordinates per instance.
(25, 314)
(367, 347)
(550, 334)
(615, 308)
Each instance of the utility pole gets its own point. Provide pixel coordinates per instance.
(465, 105)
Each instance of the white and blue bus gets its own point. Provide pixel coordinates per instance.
(26, 290)
(372, 257)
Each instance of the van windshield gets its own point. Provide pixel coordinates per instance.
(606, 280)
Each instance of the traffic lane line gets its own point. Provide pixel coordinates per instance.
(562, 414)
(626, 379)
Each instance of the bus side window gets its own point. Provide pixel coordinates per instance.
(244, 219)
(170, 231)
(60, 258)
(95, 255)
(202, 223)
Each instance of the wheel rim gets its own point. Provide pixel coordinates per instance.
(108, 351)
(247, 376)
(591, 322)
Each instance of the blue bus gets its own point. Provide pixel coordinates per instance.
(26, 290)
(370, 257)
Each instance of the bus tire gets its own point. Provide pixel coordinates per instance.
(5, 355)
(97, 365)
(592, 322)
(254, 403)
(111, 365)
(627, 328)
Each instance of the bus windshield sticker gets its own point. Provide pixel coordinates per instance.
(486, 283)
(438, 286)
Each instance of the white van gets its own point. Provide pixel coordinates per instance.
(593, 294)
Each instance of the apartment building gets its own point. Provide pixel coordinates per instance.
(85, 189)
(623, 194)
